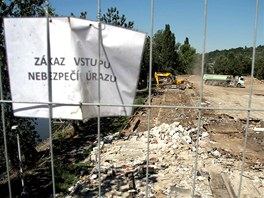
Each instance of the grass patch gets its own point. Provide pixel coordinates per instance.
(64, 176)
(68, 174)
(140, 99)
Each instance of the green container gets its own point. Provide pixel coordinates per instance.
(217, 77)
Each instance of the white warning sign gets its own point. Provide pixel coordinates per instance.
(74, 61)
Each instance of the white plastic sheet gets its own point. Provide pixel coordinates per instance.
(74, 66)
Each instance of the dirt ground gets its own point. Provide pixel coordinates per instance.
(226, 97)
(234, 98)
(227, 131)
(227, 127)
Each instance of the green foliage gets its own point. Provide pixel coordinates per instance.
(83, 15)
(236, 61)
(144, 70)
(65, 175)
(68, 174)
(26, 127)
(112, 17)
(169, 56)
(157, 48)
(168, 51)
(259, 69)
(165, 57)
(140, 99)
(186, 57)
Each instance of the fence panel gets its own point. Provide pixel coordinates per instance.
(197, 105)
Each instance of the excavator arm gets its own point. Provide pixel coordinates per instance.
(167, 79)
(166, 75)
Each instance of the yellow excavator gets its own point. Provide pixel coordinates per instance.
(167, 80)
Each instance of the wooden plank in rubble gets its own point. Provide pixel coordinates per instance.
(218, 185)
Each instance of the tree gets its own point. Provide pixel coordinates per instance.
(157, 48)
(164, 50)
(112, 17)
(144, 70)
(16, 8)
(169, 49)
(186, 58)
(220, 65)
(243, 64)
(236, 61)
(83, 15)
(259, 69)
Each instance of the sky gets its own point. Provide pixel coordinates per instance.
(230, 23)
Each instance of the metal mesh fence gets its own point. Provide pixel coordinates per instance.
(197, 106)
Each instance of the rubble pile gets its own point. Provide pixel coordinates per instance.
(169, 135)
(172, 154)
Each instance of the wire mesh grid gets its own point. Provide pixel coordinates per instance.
(149, 106)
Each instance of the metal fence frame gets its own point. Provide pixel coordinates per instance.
(149, 106)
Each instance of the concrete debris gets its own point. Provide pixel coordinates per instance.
(216, 153)
(170, 168)
(258, 129)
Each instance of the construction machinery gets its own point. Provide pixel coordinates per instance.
(224, 80)
(167, 80)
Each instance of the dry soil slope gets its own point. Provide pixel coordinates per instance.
(234, 98)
